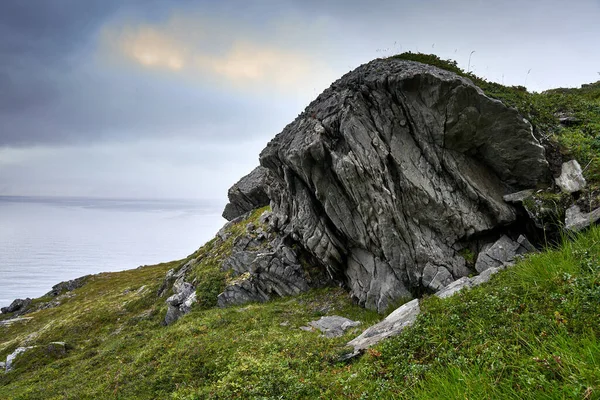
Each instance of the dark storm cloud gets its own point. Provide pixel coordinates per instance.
(50, 93)
(36, 40)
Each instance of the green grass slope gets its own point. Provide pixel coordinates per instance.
(532, 332)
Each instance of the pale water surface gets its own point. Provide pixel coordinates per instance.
(47, 240)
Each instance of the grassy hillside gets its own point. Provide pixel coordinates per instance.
(531, 332)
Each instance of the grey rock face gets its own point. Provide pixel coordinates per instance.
(56, 349)
(334, 325)
(571, 178)
(393, 165)
(392, 325)
(575, 220)
(18, 306)
(184, 296)
(67, 286)
(247, 194)
(405, 315)
(263, 268)
(502, 252)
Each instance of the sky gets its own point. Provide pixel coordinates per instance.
(176, 99)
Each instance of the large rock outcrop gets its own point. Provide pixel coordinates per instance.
(247, 194)
(391, 171)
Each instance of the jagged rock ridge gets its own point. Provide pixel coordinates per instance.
(390, 172)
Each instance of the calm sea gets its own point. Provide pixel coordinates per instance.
(47, 240)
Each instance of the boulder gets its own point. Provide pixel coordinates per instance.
(333, 326)
(67, 286)
(575, 220)
(247, 194)
(502, 252)
(264, 268)
(392, 325)
(56, 349)
(184, 293)
(17, 306)
(571, 178)
(388, 170)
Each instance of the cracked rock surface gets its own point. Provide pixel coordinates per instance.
(247, 194)
(391, 168)
(264, 264)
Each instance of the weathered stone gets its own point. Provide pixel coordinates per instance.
(525, 245)
(184, 296)
(333, 326)
(264, 268)
(575, 220)
(501, 252)
(406, 314)
(518, 197)
(454, 287)
(56, 349)
(10, 360)
(571, 178)
(392, 325)
(391, 167)
(247, 194)
(2, 366)
(68, 286)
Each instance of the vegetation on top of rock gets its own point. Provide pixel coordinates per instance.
(578, 108)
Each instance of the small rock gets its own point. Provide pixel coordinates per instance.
(571, 178)
(485, 276)
(333, 326)
(250, 227)
(11, 357)
(576, 221)
(2, 366)
(392, 325)
(526, 246)
(265, 217)
(68, 286)
(56, 349)
(454, 287)
(502, 251)
(518, 197)
(284, 323)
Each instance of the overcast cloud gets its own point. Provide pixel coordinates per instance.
(176, 98)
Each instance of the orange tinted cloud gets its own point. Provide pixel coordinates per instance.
(241, 56)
